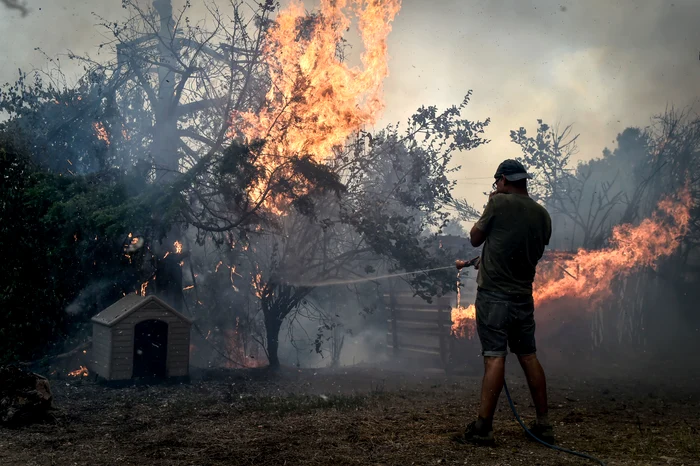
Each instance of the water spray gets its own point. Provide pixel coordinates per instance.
(368, 279)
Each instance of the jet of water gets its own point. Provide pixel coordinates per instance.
(368, 279)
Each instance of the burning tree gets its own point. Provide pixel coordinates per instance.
(315, 103)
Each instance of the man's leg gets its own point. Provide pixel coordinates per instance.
(491, 323)
(537, 382)
(491, 386)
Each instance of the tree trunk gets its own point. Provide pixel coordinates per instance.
(168, 282)
(273, 324)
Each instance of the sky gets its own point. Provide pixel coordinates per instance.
(599, 65)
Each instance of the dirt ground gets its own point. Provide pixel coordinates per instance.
(358, 416)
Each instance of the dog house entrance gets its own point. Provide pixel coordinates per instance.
(150, 348)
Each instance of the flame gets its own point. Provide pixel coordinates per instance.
(315, 101)
(587, 274)
(178, 247)
(464, 321)
(101, 132)
(79, 372)
(144, 285)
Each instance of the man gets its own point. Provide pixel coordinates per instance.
(514, 230)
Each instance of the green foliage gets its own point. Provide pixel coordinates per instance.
(60, 235)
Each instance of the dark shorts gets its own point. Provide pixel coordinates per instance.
(504, 321)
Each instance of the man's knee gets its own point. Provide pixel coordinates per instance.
(526, 358)
(494, 362)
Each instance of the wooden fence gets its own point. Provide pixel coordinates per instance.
(419, 333)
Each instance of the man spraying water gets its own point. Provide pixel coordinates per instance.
(514, 230)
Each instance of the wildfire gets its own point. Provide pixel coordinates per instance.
(101, 132)
(79, 372)
(588, 274)
(315, 101)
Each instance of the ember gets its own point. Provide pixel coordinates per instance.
(101, 132)
(79, 372)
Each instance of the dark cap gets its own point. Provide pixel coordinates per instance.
(512, 170)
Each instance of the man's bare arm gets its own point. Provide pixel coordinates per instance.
(477, 237)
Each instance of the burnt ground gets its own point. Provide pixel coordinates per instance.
(354, 416)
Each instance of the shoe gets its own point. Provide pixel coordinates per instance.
(476, 436)
(544, 433)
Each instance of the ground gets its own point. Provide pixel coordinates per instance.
(354, 416)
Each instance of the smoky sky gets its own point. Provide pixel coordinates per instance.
(598, 65)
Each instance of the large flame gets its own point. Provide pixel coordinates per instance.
(316, 101)
(588, 274)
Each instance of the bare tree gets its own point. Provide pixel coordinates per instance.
(577, 194)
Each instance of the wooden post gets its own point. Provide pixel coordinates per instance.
(394, 325)
(441, 334)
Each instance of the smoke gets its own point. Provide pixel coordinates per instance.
(90, 296)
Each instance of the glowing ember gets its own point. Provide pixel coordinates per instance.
(144, 285)
(188, 288)
(101, 132)
(178, 247)
(315, 101)
(258, 285)
(82, 372)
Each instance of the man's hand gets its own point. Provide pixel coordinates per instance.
(460, 264)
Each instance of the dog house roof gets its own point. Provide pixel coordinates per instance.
(130, 304)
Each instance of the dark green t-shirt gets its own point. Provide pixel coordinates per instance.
(517, 230)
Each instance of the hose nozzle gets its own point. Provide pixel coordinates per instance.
(460, 264)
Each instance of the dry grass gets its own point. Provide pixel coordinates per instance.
(350, 418)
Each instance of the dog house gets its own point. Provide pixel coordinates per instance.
(140, 337)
